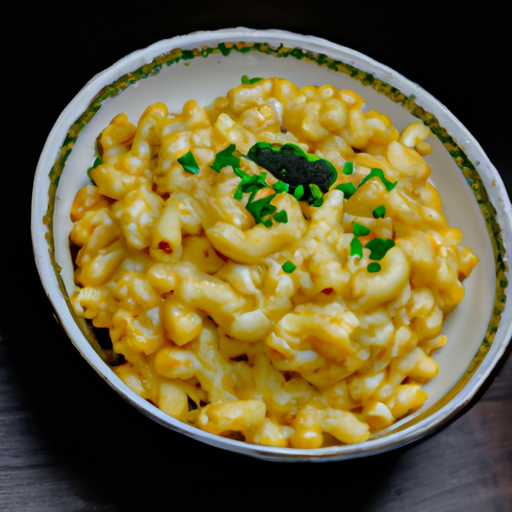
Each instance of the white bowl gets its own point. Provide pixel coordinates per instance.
(205, 65)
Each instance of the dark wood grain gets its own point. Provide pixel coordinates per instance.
(85, 449)
(67, 441)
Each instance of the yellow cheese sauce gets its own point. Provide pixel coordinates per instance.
(294, 328)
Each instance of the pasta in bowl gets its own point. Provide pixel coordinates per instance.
(273, 268)
(304, 310)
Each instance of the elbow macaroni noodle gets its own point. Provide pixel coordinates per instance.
(212, 328)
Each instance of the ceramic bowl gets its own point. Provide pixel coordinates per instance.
(205, 65)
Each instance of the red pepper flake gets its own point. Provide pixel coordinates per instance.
(327, 291)
(221, 256)
(164, 246)
(206, 254)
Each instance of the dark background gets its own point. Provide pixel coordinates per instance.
(67, 442)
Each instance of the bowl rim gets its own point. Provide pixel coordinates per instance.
(488, 173)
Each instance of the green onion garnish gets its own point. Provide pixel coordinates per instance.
(360, 230)
(317, 195)
(373, 267)
(281, 186)
(348, 189)
(356, 248)
(379, 212)
(299, 192)
(348, 168)
(379, 247)
(281, 217)
(249, 183)
(261, 208)
(224, 158)
(288, 267)
(189, 163)
(248, 81)
(379, 173)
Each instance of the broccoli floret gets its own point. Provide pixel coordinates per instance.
(289, 163)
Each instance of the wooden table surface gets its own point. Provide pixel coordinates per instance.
(67, 441)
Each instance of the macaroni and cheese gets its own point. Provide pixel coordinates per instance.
(274, 268)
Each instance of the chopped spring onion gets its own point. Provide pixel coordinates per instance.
(288, 267)
(189, 163)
